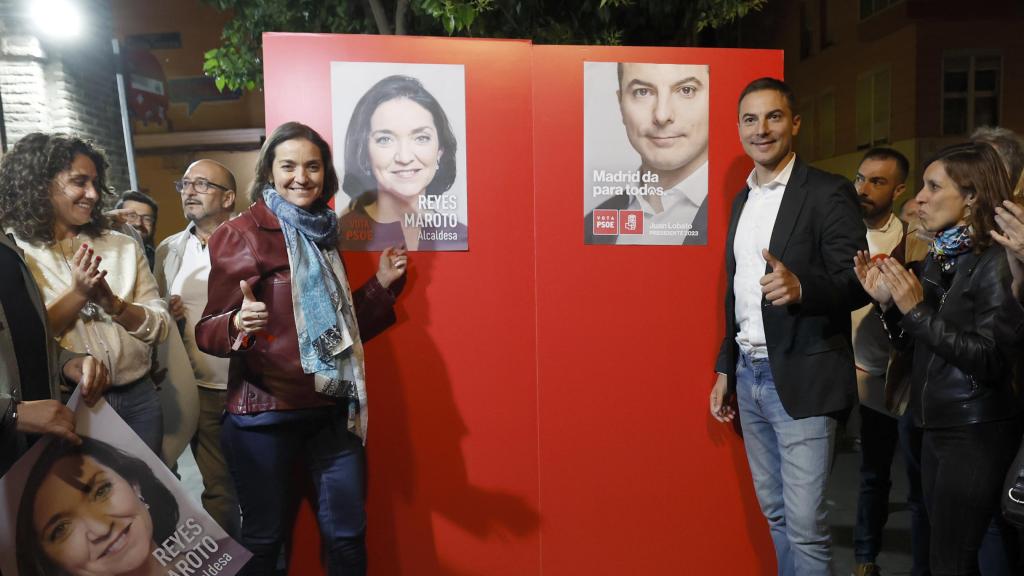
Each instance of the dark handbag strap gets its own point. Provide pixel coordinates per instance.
(900, 251)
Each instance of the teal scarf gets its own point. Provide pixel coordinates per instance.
(328, 334)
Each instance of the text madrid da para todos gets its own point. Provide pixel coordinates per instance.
(636, 183)
(188, 552)
(625, 182)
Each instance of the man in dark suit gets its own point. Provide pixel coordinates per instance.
(786, 356)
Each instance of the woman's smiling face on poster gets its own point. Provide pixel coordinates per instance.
(90, 520)
(404, 148)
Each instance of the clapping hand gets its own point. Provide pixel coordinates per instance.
(86, 275)
(1010, 218)
(905, 288)
(870, 275)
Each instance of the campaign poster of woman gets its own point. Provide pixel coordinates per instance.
(399, 133)
(105, 505)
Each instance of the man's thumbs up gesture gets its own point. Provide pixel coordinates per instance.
(252, 317)
(780, 287)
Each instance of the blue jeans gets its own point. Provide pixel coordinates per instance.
(262, 449)
(789, 462)
(138, 404)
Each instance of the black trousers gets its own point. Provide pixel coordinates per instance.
(962, 472)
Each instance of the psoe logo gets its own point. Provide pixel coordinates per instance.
(631, 221)
(606, 222)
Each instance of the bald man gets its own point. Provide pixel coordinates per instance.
(182, 268)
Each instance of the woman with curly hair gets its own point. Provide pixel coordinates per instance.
(101, 298)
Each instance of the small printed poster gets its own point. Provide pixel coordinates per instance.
(399, 134)
(645, 153)
(106, 505)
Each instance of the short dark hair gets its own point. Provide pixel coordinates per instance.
(976, 169)
(265, 163)
(620, 72)
(28, 170)
(359, 180)
(769, 83)
(163, 508)
(136, 196)
(883, 153)
(1007, 144)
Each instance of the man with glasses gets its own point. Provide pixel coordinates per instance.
(182, 269)
(140, 212)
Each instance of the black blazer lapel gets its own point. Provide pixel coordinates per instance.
(792, 203)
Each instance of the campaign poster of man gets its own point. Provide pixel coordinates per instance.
(105, 504)
(645, 153)
(399, 134)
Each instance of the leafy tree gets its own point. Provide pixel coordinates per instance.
(237, 63)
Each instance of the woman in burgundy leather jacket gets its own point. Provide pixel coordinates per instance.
(957, 311)
(280, 307)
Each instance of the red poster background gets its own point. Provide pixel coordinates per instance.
(635, 475)
(541, 405)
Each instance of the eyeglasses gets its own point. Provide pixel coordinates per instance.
(135, 218)
(200, 185)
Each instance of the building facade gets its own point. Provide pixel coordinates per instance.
(912, 74)
(62, 83)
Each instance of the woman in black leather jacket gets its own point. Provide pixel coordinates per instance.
(957, 311)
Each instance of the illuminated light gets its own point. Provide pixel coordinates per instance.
(56, 18)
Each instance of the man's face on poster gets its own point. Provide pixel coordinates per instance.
(665, 112)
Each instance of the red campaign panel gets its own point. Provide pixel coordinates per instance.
(635, 475)
(452, 445)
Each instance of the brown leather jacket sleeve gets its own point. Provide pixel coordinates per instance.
(375, 306)
(231, 260)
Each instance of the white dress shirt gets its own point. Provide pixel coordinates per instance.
(190, 284)
(753, 234)
(679, 207)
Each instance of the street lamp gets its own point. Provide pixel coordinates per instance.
(60, 20)
(57, 19)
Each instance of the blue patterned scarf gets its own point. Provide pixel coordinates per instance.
(949, 244)
(322, 303)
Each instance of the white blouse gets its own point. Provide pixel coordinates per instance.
(126, 354)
